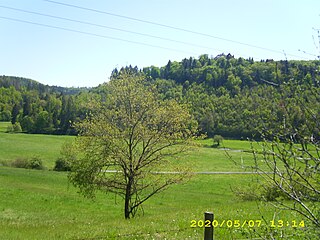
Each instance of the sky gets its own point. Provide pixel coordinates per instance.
(77, 43)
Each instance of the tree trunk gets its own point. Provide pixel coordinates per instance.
(127, 207)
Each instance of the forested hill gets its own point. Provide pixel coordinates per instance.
(237, 97)
(20, 83)
(232, 73)
(233, 97)
(33, 107)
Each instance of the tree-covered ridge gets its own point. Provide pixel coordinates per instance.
(20, 83)
(39, 108)
(235, 73)
(239, 97)
(232, 97)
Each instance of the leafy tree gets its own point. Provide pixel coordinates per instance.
(133, 133)
(290, 158)
(61, 165)
(15, 113)
(5, 115)
(27, 124)
(68, 114)
(217, 139)
(41, 122)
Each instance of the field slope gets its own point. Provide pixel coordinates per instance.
(43, 205)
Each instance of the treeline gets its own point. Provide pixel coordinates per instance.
(232, 97)
(239, 98)
(36, 108)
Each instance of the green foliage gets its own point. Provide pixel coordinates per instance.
(17, 127)
(256, 191)
(34, 162)
(43, 205)
(227, 96)
(37, 107)
(20, 145)
(5, 116)
(27, 124)
(20, 163)
(61, 165)
(131, 132)
(290, 155)
(217, 139)
(14, 128)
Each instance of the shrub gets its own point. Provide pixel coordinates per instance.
(16, 127)
(217, 139)
(35, 163)
(247, 192)
(61, 165)
(271, 193)
(20, 163)
(27, 124)
(255, 191)
(5, 115)
(10, 128)
(4, 163)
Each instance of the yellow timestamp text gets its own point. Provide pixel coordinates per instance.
(236, 223)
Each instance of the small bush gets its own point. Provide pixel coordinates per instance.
(12, 128)
(255, 191)
(271, 193)
(4, 163)
(20, 163)
(17, 127)
(248, 192)
(61, 165)
(35, 163)
(217, 139)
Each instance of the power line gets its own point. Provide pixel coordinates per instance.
(107, 27)
(170, 27)
(94, 34)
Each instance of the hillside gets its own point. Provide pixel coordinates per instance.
(20, 83)
(237, 97)
(233, 97)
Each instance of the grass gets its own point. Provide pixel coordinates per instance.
(21, 145)
(43, 205)
(47, 147)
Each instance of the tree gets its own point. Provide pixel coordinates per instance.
(42, 123)
(289, 160)
(15, 113)
(133, 134)
(217, 139)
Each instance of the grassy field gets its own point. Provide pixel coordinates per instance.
(20, 145)
(43, 205)
(47, 147)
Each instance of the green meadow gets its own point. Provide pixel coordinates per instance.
(41, 204)
(20, 145)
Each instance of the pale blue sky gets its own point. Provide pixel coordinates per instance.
(58, 57)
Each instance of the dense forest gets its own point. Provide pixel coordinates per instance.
(232, 97)
(33, 107)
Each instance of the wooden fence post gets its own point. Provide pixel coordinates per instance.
(208, 231)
